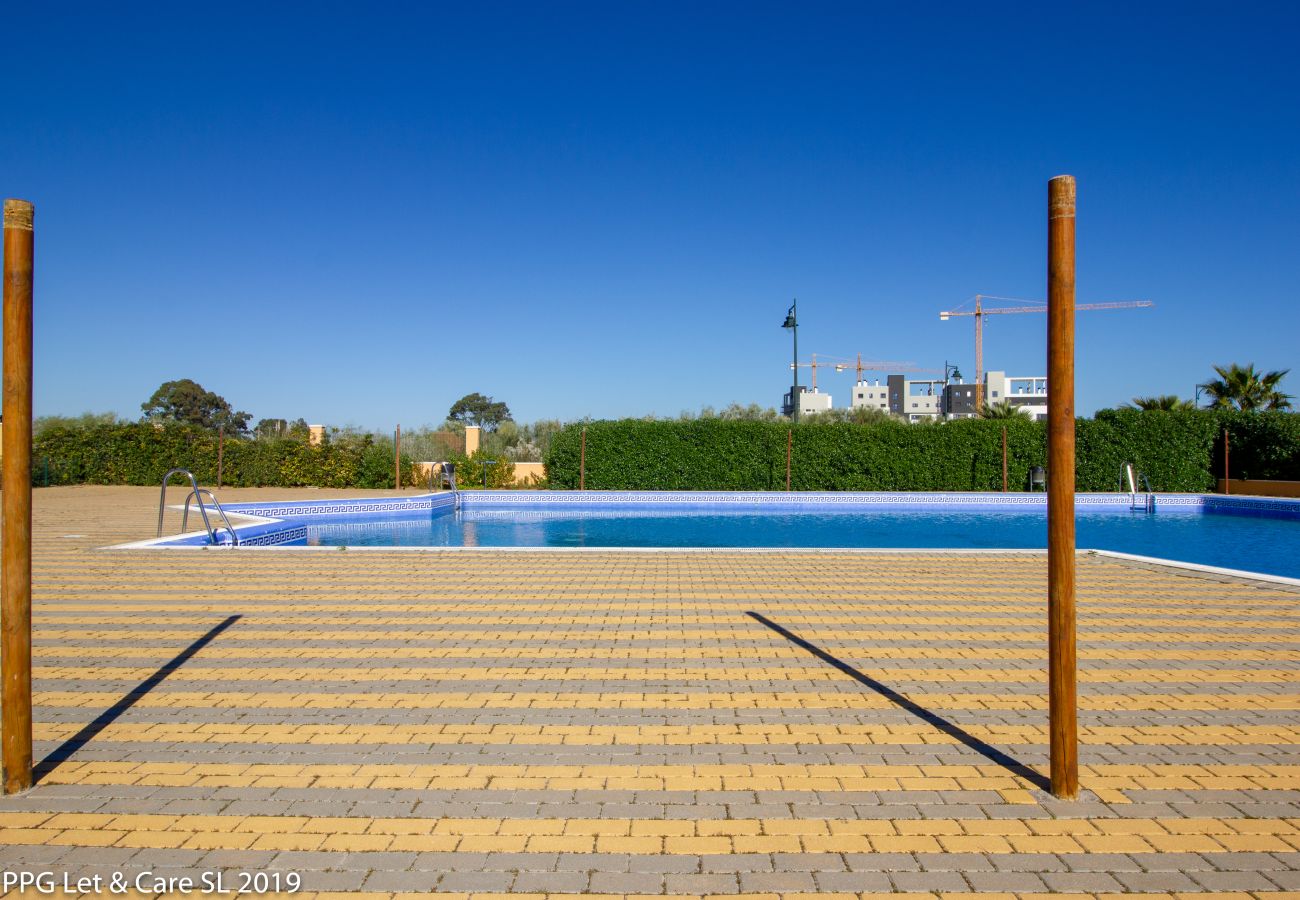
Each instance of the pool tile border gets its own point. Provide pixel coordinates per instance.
(277, 524)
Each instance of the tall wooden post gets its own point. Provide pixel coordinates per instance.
(1062, 688)
(221, 453)
(16, 481)
(789, 451)
(1227, 486)
(1004, 459)
(397, 458)
(582, 462)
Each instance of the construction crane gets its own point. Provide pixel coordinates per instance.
(861, 366)
(1040, 307)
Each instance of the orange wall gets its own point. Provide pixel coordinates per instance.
(1261, 488)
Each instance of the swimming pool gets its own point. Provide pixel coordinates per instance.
(1248, 533)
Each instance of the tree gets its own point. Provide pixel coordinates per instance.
(858, 415)
(475, 409)
(186, 401)
(282, 429)
(1245, 389)
(752, 412)
(1166, 402)
(1004, 409)
(86, 420)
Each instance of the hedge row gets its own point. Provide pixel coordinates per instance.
(1179, 451)
(1176, 450)
(139, 453)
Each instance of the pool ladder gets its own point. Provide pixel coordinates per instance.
(1138, 501)
(447, 476)
(196, 493)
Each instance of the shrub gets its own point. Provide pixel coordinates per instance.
(1173, 448)
(469, 471)
(140, 453)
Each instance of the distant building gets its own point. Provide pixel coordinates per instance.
(873, 395)
(930, 398)
(915, 401)
(1027, 392)
(810, 401)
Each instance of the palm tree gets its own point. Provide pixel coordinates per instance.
(1166, 402)
(1246, 389)
(1004, 409)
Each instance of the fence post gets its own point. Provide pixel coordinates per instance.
(16, 481)
(582, 462)
(1227, 488)
(397, 461)
(789, 447)
(1004, 459)
(221, 452)
(1062, 686)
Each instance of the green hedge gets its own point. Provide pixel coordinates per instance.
(1262, 445)
(138, 453)
(1175, 449)
(1179, 451)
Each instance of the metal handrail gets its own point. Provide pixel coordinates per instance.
(162, 499)
(1128, 472)
(447, 470)
(194, 492)
(212, 532)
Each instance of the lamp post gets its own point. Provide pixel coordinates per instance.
(1200, 389)
(792, 323)
(486, 463)
(949, 371)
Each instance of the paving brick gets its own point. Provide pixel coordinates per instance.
(1017, 882)
(631, 688)
(928, 881)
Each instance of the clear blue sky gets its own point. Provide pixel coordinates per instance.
(357, 214)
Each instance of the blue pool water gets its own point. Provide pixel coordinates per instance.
(1250, 542)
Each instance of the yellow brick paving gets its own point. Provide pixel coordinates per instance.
(488, 724)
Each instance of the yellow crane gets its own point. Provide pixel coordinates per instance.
(840, 365)
(979, 312)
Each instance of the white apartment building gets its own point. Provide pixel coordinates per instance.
(915, 401)
(871, 395)
(810, 401)
(1027, 392)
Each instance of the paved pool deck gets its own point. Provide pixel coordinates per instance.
(775, 725)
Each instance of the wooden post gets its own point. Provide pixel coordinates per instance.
(1004, 459)
(789, 449)
(1227, 486)
(397, 457)
(1062, 689)
(16, 482)
(221, 452)
(582, 462)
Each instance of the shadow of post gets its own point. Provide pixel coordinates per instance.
(111, 715)
(988, 751)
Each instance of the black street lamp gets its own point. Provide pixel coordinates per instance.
(949, 371)
(1200, 389)
(486, 463)
(792, 323)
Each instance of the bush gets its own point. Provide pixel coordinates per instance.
(140, 453)
(1260, 445)
(1174, 449)
(469, 470)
